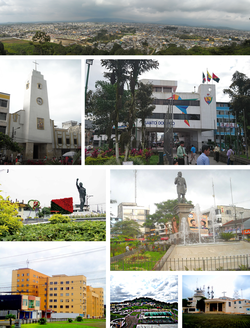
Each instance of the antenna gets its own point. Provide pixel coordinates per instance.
(27, 263)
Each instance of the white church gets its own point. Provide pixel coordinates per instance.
(32, 127)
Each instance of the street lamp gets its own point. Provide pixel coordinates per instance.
(242, 225)
(88, 62)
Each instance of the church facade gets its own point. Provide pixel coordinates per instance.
(32, 127)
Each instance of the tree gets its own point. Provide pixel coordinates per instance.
(7, 143)
(10, 317)
(118, 75)
(135, 69)
(41, 37)
(144, 104)
(239, 94)
(200, 304)
(164, 213)
(227, 235)
(9, 223)
(128, 228)
(2, 51)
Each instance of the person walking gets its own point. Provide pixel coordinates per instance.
(230, 156)
(217, 153)
(203, 158)
(181, 153)
(193, 154)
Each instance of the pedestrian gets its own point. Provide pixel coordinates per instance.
(181, 153)
(230, 156)
(217, 153)
(193, 154)
(203, 158)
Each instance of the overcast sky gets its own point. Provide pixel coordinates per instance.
(129, 285)
(63, 84)
(229, 13)
(221, 282)
(187, 71)
(157, 185)
(50, 183)
(52, 258)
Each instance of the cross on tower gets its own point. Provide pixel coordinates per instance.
(35, 65)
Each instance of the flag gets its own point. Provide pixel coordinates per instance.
(203, 78)
(215, 78)
(208, 77)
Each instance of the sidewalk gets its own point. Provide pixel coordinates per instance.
(211, 159)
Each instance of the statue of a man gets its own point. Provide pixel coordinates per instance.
(181, 187)
(82, 194)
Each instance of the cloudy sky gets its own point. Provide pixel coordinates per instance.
(196, 12)
(221, 282)
(128, 285)
(157, 185)
(187, 71)
(52, 258)
(50, 183)
(63, 84)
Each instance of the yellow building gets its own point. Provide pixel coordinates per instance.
(59, 293)
(67, 294)
(4, 111)
(95, 302)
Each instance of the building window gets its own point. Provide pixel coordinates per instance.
(51, 289)
(61, 294)
(68, 143)
(55, 306)
(61, 306)
(55, 294)
(67, 288)
(3, 103)
(55, 288)
(39, 85)
(67, 294)
(55, 300)
(67, 307)
(3, 116)
(51, 283)
(50, 294)
(61, 301)
(60, 142)
(61, 282)
(55, 283)
(61, 288)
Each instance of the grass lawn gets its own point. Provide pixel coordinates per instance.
(140, 262)
(97, 323)
(215, 321)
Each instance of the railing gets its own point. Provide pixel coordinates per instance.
(221, 263)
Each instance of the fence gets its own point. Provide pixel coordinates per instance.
(235, 262)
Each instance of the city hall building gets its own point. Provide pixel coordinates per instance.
(192, 114)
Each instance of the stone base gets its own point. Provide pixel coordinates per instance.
(183, 210)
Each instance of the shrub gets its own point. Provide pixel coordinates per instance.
(70, 320)
(79, 318)
(59, 218)
(42, 321)
(95, 161)
(9, 223)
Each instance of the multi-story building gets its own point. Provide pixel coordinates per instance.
(4, 111)
(227, 127)
(134, 212)
(95, 302)
(58, 294)
(191, 114)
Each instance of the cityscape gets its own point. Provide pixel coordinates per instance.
(146, 39)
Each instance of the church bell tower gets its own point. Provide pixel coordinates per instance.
(38, 129)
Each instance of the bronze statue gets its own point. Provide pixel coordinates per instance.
(181, 187)
(82, 194)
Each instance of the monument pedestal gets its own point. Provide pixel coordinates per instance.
(182, 210)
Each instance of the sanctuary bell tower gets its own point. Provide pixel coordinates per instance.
(38, 126)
